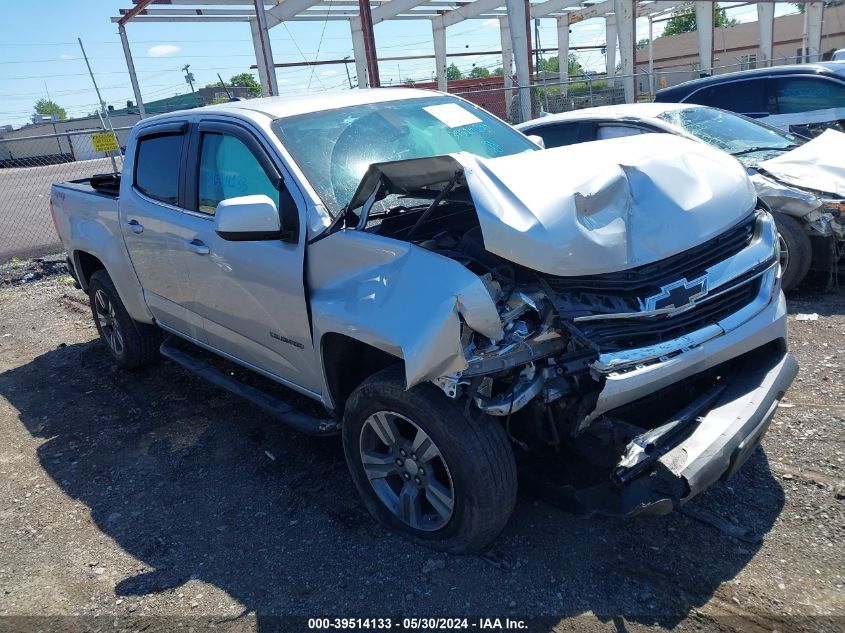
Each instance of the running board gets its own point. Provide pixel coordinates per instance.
(273, 405)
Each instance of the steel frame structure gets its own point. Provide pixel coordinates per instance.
(513, 16)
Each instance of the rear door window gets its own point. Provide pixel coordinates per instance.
(157, 167)
(805, 94)
(746, 97)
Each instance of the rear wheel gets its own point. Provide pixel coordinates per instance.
(796, 251)
(130, 343)
(425, 470)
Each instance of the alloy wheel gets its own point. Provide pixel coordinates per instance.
(407, 471)
(784, 253)
(107, 320)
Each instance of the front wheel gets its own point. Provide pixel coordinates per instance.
(796, 251)
(423, 469)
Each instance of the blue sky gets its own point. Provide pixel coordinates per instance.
(39, 53)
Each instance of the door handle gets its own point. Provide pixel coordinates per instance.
(135, 226)
(198, 247)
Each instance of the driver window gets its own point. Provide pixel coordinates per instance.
(228, 169)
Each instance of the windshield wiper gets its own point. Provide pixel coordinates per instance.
(751, 150)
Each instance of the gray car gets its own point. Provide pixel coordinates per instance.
(808, 203)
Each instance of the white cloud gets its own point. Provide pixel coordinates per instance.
(328, 73)
(163, 50)
(490, 23)
(65, 56)
(282, 82)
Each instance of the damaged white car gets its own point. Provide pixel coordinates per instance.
(802, 183)
(458, 302)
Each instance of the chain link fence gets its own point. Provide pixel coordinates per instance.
(546, 96)
(29, 165)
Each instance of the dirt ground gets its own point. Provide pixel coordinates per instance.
(154, 501)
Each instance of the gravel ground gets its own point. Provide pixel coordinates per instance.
(152, 500)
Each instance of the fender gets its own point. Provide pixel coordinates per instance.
(399, 298)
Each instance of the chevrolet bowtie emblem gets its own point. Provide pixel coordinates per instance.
(677, 295)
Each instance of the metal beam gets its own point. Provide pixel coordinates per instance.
(651, 55)
(517, 17)
(130, 65)
(264, 49)
(610, 48)
(813, 20)
(387, 10)
(471, 10)
(285, 10)
(507, 62)
(766, 23)
(563, 52)
(704, 12)
(626, 25)
(359, 50)
(187, 18)
(369, 43)
(133, 12)
(190, 12)
(438, 34)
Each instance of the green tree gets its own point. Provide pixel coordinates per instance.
(248, 80)
(453, 72)
(498, 71)
(479, 72)
(46, 107)
(683, 19)
(642, 43)
(799, 6)
(552, 65)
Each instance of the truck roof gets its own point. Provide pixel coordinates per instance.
(284, 106)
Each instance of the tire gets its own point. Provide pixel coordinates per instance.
(130, 343)
(472, 460)
(799, 251)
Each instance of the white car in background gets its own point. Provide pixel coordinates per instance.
(802, 182)
(838, 56)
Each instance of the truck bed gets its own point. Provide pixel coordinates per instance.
(102, 184)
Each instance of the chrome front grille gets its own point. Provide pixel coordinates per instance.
(615, 312)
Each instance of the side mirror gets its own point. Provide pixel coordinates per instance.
(538, 140)
(247, 219)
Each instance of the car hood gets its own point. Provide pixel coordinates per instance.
(586, 209)
(817, 165)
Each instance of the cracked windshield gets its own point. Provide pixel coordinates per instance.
(353, 138)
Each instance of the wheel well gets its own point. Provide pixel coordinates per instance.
(348, 362)
(88, 265)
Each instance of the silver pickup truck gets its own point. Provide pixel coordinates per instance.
(606, 317)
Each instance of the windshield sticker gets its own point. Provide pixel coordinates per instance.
(452, 114)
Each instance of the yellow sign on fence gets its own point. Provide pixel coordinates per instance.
(105, 142)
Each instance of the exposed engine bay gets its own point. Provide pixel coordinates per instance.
(542, 378)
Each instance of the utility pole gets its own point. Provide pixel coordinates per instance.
(103, 108)
(223, 83)
(189, 77)
(348, 76)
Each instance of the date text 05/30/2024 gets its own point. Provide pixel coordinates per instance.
(415, 624)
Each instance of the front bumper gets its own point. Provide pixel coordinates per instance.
(722, 439)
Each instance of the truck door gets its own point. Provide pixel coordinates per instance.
(250, 295)
(152, 227)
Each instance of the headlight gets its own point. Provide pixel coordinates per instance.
(835, 207)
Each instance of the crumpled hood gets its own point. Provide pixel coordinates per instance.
(818, 165)
(591, 208)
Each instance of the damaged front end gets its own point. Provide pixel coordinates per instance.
(631, 387)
